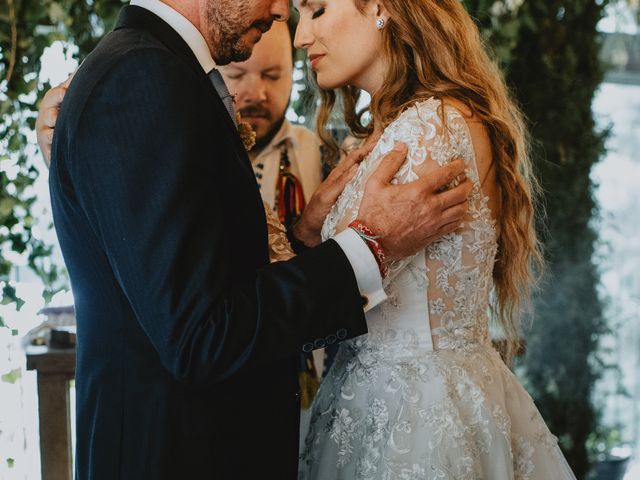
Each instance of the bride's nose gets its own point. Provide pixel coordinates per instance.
(303, 37)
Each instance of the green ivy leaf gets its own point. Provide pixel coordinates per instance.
(9, 296)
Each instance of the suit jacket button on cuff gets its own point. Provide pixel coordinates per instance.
(341, 334)
(331, 339)
(365, 301)
(307, 347)
(319, 343)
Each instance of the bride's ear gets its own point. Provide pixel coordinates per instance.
(380, 12)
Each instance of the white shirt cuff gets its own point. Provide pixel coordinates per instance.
(364, 267)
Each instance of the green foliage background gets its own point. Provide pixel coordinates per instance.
(26, 29)
(549, 52)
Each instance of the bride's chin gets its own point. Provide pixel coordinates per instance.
(328, 84)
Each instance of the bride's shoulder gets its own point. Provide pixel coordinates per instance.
(418, 110)
(436, 109)
(448, 119)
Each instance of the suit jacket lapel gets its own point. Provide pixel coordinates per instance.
(141, 18)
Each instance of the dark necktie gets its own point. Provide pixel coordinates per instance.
(223, 92)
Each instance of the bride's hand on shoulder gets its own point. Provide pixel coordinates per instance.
(406, 218)
(47, 117)
(308, 228)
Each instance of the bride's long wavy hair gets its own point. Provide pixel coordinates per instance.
(435, 50)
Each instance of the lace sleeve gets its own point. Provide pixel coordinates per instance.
(433, 138)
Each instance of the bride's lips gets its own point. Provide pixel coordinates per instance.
(314, 59)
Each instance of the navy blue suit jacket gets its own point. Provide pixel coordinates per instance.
(188, 339)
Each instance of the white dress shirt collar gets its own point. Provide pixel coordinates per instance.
(189, 33)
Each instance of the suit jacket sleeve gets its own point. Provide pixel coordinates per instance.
(144, 164)
(297, 246)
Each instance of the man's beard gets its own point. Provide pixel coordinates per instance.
(230, 48)
(227, 27)
(267, 137)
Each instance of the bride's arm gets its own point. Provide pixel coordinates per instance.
(47, 115)
(307, 230)
(434, 139)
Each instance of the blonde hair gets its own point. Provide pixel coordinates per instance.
(434, 49)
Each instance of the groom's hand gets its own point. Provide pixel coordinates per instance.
(308, 228)
(47, 116)
(406, 218)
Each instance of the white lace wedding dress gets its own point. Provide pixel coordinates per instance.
(424, 395)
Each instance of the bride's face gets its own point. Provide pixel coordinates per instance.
(343, 44)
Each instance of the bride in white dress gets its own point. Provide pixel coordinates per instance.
(424, 395)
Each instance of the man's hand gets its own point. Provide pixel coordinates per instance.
(308, 228)
(47, 116)
(406, 218)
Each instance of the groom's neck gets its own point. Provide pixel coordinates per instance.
(195, 12)
(189, 9)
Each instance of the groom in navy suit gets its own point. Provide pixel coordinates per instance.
(182, 322)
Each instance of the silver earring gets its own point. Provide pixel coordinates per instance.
(380, 23)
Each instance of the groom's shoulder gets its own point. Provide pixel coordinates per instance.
(128, 59)
(125, 64)
(130, 47)
(124, 40)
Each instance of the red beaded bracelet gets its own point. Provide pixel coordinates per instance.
(372, 242)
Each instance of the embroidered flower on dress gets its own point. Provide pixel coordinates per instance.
(341, 432)
(416, 472)
(437, 306)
